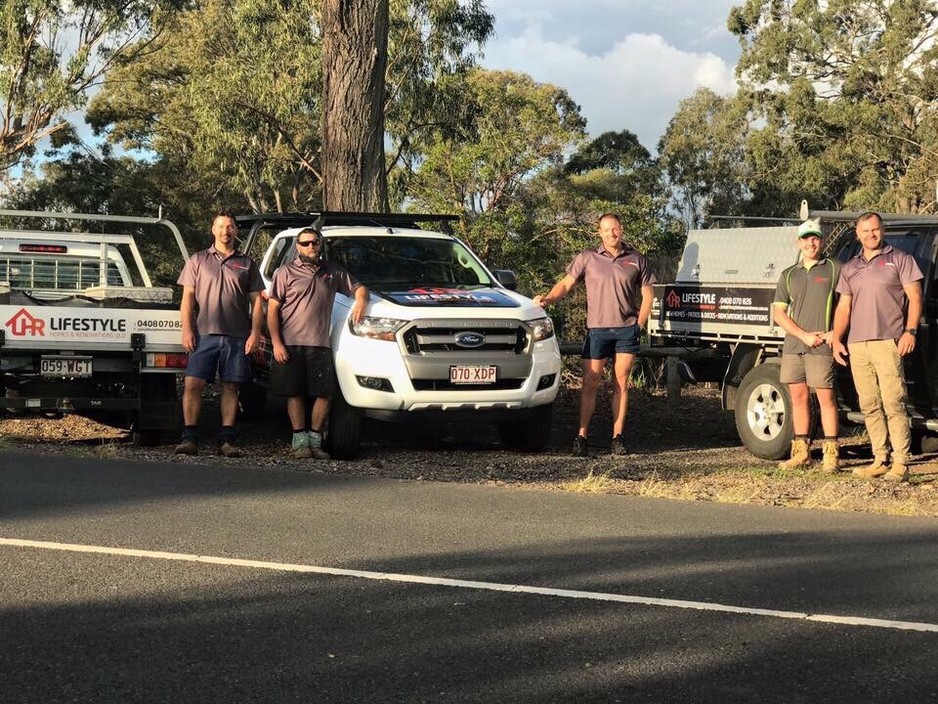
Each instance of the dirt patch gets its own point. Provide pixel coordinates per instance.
(685, 449)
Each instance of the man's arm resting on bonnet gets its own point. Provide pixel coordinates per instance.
(560, 289)
(361, 300)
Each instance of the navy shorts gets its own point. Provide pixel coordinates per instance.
(223, 353)
(309, 372)
(606, 343)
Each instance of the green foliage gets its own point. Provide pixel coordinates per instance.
(230, 93)
(848, 93)
(52, 53)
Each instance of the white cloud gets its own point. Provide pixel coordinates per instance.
(635, 85)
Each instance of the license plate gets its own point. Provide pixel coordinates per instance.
(65, 366)
(473, 374)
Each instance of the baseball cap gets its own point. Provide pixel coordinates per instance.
(810, 227)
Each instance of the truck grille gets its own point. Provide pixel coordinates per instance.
(429, 337)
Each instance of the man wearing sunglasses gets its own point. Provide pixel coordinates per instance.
(299, 312)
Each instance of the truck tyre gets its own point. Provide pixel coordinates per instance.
(145, 437)
(343, 439)
(531, 434)
(763, 413)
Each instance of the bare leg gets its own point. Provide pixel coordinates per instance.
(296, 411)
(620, 391)
(592, 375)
(229, 402)
(320, 412)
(800, 416)
(829, 420)
(192, 400)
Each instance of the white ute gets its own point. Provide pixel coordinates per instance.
(443, 336)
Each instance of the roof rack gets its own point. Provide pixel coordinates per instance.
(851, 215)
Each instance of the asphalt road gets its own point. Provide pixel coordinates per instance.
(160, 626)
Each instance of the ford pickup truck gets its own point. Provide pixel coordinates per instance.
(443, 337)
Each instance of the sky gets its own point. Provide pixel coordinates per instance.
(626, 63)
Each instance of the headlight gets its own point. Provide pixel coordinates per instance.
(543, 328)
(376, 328)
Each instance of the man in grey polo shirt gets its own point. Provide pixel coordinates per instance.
(299, 314)
(615, 274)
(221, 315)
(874, 287)
(804, 302)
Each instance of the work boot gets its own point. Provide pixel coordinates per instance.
(315, 446)
(617, 447)
(800, 455)
(831, 457)
(300, 446)
(877, 469)
(187, 446)
(898, 473)
(227, 448)
(581, 447)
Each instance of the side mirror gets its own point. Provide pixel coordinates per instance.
(507, 278)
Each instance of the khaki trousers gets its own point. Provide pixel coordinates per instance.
(880, 382)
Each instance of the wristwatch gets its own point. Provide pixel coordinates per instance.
(912, 331)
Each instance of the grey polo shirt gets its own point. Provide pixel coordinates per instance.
(222, 291)
(808, 294)
(613, 284)
(305, 293)
(877, 296)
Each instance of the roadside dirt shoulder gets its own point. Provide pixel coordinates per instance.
(685, 449)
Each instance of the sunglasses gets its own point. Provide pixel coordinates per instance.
(309, 243)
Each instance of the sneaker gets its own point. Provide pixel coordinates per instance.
(187, 446)
(580, 447)
(617, 447)
(317, 453)
(227, 449)
(877, 469)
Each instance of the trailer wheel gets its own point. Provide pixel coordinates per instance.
(531, 434)
(763, 413)
(344, 436)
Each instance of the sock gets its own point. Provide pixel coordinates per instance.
(315, 438)
(190, 432)
(300, 439)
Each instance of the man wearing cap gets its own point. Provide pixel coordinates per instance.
(221, 315)
(299, 312)
(616, 276)
(804, 301)
(881, 302)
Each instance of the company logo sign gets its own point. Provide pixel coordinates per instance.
(23, 324)
(674, 299)
(470, 339)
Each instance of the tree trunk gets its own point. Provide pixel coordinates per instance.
(355, 49)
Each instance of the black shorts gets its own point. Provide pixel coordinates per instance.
(309, 372)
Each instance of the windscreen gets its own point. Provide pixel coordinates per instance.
(403, 263)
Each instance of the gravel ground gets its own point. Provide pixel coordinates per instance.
(685, 449)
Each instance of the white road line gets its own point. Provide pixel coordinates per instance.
(485, 586)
